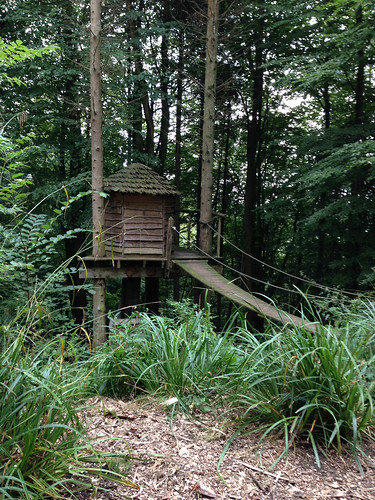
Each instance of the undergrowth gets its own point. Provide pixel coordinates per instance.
(310, 384)
(314, 386)
(166, 357)
(44, 450)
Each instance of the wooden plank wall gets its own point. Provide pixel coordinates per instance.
(113, 226)
(143, 217)
(136, 225)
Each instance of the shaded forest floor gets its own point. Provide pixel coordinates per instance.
(179, 459)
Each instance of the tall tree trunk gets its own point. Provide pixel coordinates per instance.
(136, 142)
(358, 189)
(224, 196)
(147, 110)
(135, 138)
(97, 167)
(73, 161)
(360, 80)
(254, 131)
(164, 125)
(251, 201)
(205, 237)
(200, 160)
(322, 260)
(178, 156)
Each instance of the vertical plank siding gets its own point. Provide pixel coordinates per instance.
(137, 224)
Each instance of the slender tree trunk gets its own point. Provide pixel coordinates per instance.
(97, 167)
(135, 137)
(360, 80)
(224, 196)
(147, 110)
(178, 156)
(251, 201)
(73, 161)
(200, 161)
(164, 125)
(358, 189)
(251, 195)
(322, 260)
(205, 240)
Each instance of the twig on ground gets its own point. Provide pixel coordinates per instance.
(256, 469)
(273, 487)
(256, 482)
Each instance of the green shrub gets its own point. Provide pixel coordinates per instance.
(43, 449)
(166, 357)
(313, 386)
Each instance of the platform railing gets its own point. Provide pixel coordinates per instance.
(190, 230)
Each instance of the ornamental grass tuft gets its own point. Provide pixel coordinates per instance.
(316, 387)
(43, 448)
(164, 357)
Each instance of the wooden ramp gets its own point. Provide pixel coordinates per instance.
(203, 272)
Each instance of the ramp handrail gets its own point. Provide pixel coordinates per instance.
(191, 224)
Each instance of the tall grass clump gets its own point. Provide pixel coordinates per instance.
(166, 357)
(44, 452)
(315, 386)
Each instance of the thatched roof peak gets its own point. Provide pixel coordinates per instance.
(139, 179)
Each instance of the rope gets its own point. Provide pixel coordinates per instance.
(309, 282)
(243, 275)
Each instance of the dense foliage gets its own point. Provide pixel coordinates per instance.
(44, 450)
(294, 171)
(313, 387)
(294, 154)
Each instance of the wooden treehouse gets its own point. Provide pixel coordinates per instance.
(139, 213)
(139, 218)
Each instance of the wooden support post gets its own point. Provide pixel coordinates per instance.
(130, 295)
(219, 229)
(99, 312)
(152, 294)
(98, 250)
(168, 243)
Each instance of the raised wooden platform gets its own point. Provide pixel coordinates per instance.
(184, 262)
(137, 265)
(179, 253)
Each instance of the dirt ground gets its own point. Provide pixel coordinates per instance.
(180, 456)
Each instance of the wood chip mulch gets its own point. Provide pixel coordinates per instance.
(179, 457)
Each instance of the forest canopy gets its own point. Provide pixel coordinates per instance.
(294, 156)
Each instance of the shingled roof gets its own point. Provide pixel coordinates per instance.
(139, 179)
